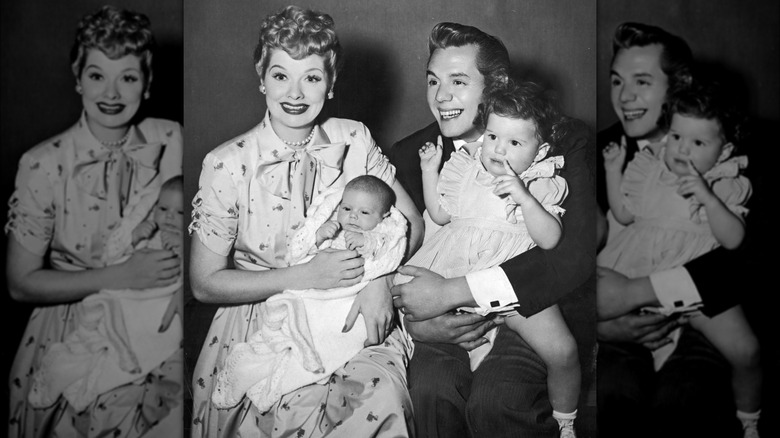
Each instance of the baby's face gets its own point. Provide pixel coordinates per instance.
(509, 140)
(169, 211)
(359, 211)
(694, 141)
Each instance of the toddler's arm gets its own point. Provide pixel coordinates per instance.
(614, 157)
(543, 227)
(728, 227)
(430, 159)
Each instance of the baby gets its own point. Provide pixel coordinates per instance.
(118, 335)
(300, 340)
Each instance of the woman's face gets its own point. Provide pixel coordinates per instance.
(296, 90)
(112, 91)
(455, 91)
(509, 140)
(638, 90)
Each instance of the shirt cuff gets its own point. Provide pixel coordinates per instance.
(675, 289)
(491, 290)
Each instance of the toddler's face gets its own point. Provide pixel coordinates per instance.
(169, 211)
(696, 141)
(359, 211)
(512, 140)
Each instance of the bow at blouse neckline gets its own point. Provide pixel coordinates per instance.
(110, 173)
(291, 173)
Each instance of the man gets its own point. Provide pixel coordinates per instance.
(507, 394)
(690, 394)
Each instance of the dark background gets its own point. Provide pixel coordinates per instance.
(38, 100)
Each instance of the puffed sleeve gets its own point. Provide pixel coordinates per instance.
(214, 211)
(734, 192)
(635, 179)
(31, 210)
(550, 192)
(451, 180)
(377, 163)
(170, 165)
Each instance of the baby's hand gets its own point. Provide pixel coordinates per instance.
(430, 156)
(354, 239)
(172, 241)
(510, 184)
(695, 184)
(327, 231)
(143, 231)
(615, 156)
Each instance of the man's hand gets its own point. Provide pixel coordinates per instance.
(428, 294)
(466, 329)
(617, 294)
(650, 330)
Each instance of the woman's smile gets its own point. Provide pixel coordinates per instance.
(294, 109)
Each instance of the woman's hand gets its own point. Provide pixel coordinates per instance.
(651, 330)
(148, 268)
(334, 268)
(466, 329)
(430, 156)
(175, 306)
(615, 156)
(375, 304)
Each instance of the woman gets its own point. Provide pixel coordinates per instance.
(78, 198)
(254, 192)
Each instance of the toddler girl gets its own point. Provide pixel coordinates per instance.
(678, 201)
(499, 203)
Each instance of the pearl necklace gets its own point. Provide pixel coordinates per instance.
(303, 142)
(116, 143)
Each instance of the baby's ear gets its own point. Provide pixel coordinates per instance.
(726, 151)
(542, 152)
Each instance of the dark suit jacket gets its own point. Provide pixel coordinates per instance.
(540, 278)
(718, 292)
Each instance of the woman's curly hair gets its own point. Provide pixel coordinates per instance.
(116, 33)
(300, 33)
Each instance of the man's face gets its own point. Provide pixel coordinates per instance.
(638, 90)
(455, 91)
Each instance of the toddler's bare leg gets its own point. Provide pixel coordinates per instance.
(547, 333)
(731, 334)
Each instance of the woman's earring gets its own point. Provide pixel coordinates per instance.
(79, 89)
(330, 94)
(146, 95)
(262, 89)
